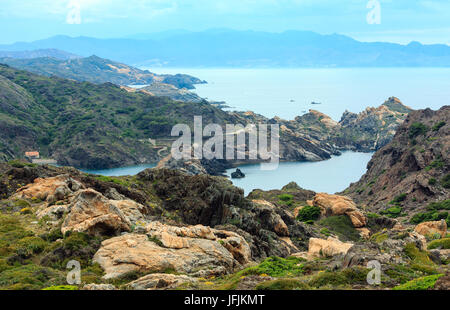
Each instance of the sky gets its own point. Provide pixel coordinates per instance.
(401, 21)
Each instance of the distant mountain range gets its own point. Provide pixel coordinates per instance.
(48, 52)
(98, 70)
(230, 48)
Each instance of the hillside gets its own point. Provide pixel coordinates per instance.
(411, 171)
(97, 70)
(231, 48)
(366, 131)
(87, 125)
(164, 230)
(49, 52)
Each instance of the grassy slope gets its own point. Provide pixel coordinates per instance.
(80, 122)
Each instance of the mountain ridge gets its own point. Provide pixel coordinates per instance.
(231, 48)
(99, 70)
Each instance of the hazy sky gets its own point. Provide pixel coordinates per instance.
(427, 21)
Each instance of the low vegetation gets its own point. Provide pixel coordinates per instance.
(417, 129)
(308, 213)
(439, 244)
(342, 226)
(423, 283)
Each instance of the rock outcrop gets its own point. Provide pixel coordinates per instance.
(161, 281)
(331, 205)
(413, 167)
(432, 228)
(91, 212)
(327, 248)
(238, 174)
(197, 251)
(273, 221)
(50, 189)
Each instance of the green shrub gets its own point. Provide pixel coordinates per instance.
(22, 203)
(11, 231)
(429, 216)
(440, 243)
(423, 283)
(342, 226)
(31, 245)
(328, 278)
(432, 181)
(356, 275)
(92, 274)
(379, 237)
(442, 205)
(308, 213)
(398, 199)
(75, 246)
(4, 265)
(445, 182)
(401, 273)
(416, 255)
(372, 215)
(52, 235)
(435, 164)
(115, 180)
(417, 129)
(278, 267)
(438, 125)
(282, 284)
(30, 277)
(285, 197)
(325, 231)
(392, 212)
(20, 164)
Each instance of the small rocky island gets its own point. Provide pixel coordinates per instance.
(238, 174)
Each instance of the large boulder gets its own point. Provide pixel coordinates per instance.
(387, 251)
(180, 237)
(132, 210)
(432, 228)
(331, 205)
(194, 250)
(49, 189)
(327, 248)
(93, 213)
(161, 281)
(273, 221)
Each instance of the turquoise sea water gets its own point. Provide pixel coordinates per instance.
(289, 92)
(329, 176)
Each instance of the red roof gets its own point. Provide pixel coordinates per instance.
(31, 154)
